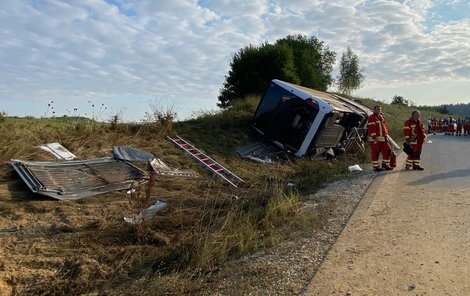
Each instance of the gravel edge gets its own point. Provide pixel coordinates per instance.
(289, 267)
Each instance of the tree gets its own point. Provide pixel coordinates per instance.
(399, 100)
(351, 74)
(313, 60)
(253, 67)
(296, 59)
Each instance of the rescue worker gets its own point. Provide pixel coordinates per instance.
(378, 132)
(466, 126)
(415, 135)
(445, 122)
(458, 132)
(451, 126)
(435, 125)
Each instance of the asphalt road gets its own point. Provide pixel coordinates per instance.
(410, 235)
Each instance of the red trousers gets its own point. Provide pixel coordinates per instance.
(376, 149)
(415, 159)
(466, 128)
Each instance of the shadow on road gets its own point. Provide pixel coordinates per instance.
(442, 176)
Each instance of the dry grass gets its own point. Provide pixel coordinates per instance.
(84, 246)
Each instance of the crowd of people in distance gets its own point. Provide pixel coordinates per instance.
(449, 126)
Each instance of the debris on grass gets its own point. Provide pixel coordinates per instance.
(59, 151)
(131, 154)
(76, 179)
(355, 168)
(261, 150)
(161, 168)
(147, 213)
(266, 160)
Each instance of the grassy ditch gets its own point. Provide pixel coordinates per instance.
(85, 246)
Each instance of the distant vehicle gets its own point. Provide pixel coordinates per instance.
(304, 121)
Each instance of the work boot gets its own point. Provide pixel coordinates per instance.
(408, 167)
(418, 168)
(378, 170)
(387, 167)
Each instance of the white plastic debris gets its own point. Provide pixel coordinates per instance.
(130, 191)
(429, 142)
(355, 168)
(290, 185)
(59, 151)
(147, 213)
(163, 169)
(260, 160)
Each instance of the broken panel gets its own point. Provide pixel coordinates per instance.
(77, 179)
(163, 169)
(59, 151)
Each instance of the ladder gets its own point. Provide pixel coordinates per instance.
(206, 161)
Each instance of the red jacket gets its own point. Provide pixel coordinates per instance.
(376, 128)
(414, 131)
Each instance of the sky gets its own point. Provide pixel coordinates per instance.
(102, 58)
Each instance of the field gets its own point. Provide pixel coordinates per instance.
(52, 247)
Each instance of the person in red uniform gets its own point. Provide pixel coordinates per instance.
(415, 135)
(458, 132)
(378, 132)
(466, 126)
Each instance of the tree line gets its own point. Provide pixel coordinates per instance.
(460, 109)
(298, 59)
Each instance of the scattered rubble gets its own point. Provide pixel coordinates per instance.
(76, 179)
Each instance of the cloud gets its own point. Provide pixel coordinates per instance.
(182, 48)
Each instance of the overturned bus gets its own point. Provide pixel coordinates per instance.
(304, 121)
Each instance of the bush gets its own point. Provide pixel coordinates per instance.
(161, 116)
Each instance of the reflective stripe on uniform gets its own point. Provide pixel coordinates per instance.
(380, 127)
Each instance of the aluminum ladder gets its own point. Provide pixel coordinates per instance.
(206, 161)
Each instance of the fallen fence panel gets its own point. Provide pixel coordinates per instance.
(76, 179)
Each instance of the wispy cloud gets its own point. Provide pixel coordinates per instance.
(182, 48)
